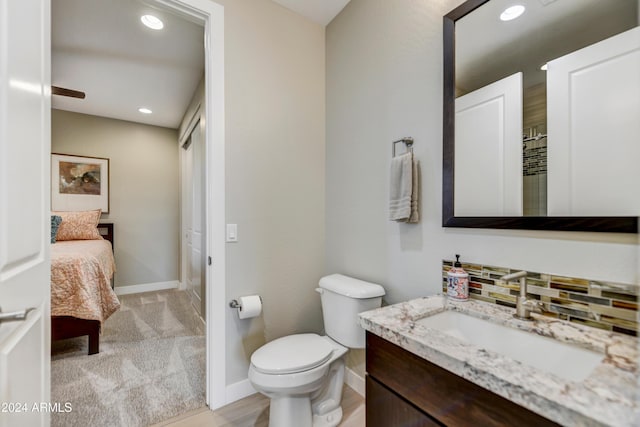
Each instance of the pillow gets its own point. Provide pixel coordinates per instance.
(55, 223)
(81, 225)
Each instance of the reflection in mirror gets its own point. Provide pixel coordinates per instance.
(545, 105)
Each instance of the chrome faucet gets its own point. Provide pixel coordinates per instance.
(524, 306)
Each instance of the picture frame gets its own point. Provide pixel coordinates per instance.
(79, 183)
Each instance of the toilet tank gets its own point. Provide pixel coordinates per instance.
(342, 299)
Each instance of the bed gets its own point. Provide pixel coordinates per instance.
(82, 296)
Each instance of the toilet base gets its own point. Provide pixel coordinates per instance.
(330, 419)
(295, 411)
(290, 411)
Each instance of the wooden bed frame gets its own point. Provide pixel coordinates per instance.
(63, 327)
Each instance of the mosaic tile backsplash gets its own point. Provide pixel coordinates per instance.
(603, 305)
(534, 161)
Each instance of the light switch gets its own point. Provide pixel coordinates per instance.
(232, 232)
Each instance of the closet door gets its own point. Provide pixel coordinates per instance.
(195, 218)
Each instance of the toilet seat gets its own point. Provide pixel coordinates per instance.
(292, 354)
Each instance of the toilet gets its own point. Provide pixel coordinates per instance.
(303, 374)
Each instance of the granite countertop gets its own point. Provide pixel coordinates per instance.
(608, 396)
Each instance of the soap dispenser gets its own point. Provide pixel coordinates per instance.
(458, 282)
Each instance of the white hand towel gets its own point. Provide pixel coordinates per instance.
(414, 218)
(401, 187)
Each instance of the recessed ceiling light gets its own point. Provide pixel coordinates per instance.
(512, 12)
(152, 22)
(543, 67)
(145, 110)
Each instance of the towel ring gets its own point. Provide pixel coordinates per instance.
(408, 142)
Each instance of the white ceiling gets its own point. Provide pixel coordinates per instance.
(100, 47)
(320, 11)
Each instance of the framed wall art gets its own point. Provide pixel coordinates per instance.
(79, 183)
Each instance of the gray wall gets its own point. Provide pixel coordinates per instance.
(275, 118)
(384, 82)
(144, 195)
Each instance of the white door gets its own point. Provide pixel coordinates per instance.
(488, 153)
(195, 187)
(593, 100)
(24, 211)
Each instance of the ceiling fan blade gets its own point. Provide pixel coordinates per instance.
(56, 90)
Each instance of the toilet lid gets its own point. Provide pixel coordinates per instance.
(293, 353)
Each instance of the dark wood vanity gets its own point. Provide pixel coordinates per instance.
(403, 389)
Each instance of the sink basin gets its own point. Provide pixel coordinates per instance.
(564, 360)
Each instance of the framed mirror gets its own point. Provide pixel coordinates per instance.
(541, 115)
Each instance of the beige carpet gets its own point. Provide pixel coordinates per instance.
(151, 365)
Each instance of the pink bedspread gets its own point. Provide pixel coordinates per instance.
(81, 272)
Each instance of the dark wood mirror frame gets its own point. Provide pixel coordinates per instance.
(608, 224)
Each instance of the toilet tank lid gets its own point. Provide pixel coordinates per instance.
(350, 287)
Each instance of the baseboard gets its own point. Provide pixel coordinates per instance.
(355, 381)
(239, 390)
(146, 287)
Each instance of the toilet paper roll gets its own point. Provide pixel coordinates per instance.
(250, 306)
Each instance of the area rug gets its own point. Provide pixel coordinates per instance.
(151, 365)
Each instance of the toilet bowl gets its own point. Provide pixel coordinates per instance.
(310, 374)
(303, 374)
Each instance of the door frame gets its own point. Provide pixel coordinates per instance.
(211, 14)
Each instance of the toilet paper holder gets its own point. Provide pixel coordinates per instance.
(235, 304)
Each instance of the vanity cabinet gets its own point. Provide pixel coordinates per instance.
(405, 389)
